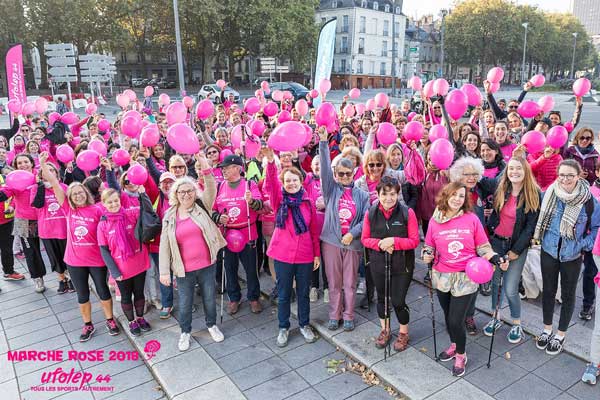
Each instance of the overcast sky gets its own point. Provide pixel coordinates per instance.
(422, 7)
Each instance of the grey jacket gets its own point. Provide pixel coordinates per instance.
(361, 183)
(332, 192)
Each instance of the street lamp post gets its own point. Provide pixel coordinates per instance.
(573, 60)
(393, 49)
(525, 25)
(179, 53)
(444, 13)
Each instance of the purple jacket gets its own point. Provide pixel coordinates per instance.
(432, 185)
(588, 161)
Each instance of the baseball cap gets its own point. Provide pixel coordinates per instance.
(166, 175)
(231, 159)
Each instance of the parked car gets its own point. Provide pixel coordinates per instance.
(137, 82)
(259, 80)
(297, 90)
(166, 83)
(213, 92)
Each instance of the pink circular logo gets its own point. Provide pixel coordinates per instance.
(151, 348)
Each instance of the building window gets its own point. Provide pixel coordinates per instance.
(359, 68)
(333, 65)
(396, 29)
(139, 57)
(362, 26)
(372, 67)
(170, 57)
(398, 10)
(361, 45)
(334, 4)
(345, 24)
(386, 28)
(344, 47)
(123, 56)
(374, 25)
(363, 4)
(343, 66)
(382, 69)
(323, 20)
(375, 6)
(387, 8)
(384, 48)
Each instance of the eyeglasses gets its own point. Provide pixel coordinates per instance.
(126, 182)
(513, 107)
(566, 176)
(345, 174)
(473, 175)
(585, 138)
(437, 108)
(78, 194)
(284, 155)
(210, 153)
(375, 165)
(25, 130)
(178, 166)
(186, 192)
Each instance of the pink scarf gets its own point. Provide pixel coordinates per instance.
(125, 243)
(597, 279)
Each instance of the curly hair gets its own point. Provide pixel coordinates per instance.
(456, 170)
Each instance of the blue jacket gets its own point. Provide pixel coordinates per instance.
(571, 249)
(332, 192)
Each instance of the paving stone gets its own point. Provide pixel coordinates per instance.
(564, 396)
(79, 395)
(578, 341)
(360, 343)
(125, 380)
(562, 371)
(307, 353)
(533, 386)
(477, 356)
(169, 343)
(146, 391)
(114, 367)
(229, 328)
(308, 394)
(6, 313)
(487, 378)
(501, 343)
(7, 371)
(26, 367)
(422, 328)
(583, 391)
(24, 329)
(278, 388)
(341, 386)
(316, 371)
(266, 332)
(295, 339)
(18, 301)
(527, 356)
(253, 320)
(100, 339)
(27, 317)
(124, 345)
(461, 390)
(244, 358)
(218, 389)
(372, 393)
(259, 373)
(402, 370)
(34, 378)
(233, 344)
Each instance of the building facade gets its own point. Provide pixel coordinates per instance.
(422, 49)
(588, 12)
(369, 39)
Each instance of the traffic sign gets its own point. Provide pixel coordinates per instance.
(62, 71)
(414, 49)
(94, 78)
(92, 64)
(282, 69)
(60, 79)
(61, 61)
(59, 46)
(60, 53)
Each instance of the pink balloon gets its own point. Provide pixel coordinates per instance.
(360, 108)
(473, 94)
(495, 75)
(14, 106)
(236, 136)
(137, 174)
(277, 95)
(437, 132)
(538, 80)
(354, 93)
(428, 89)
(386, 133)
(309, 135)
(205, 109)
(252, 146)
(221, 84)
(121, 157)
(64, 153)
(176, 113)
(325, 114)
(349, 111)
(131, 126)
(534, 141)
(370, 105)
(411, 115)
(324, 85)
(76, 140)
(528, 109)
(19, 180)
(123, 100)
(150, 135)
(287, 136)
(224, 153)
(415, 83)
(381, 100)
(52, 118)
(569, 126)
(132, 114)
(302, 107)
(69, 118)
(287, 95)
(479, 270)
(264, 85)
(148, 91)
(270, 109)
(41, 105)
(456, 104)
(257, 127)
(236, 240)
(130, 94)
(441, 86)
(163, 99)
(557, 136)
(413, 131)
(494, 87)
(188, 102)
(98, 146)
(314, 93)
(88, 160)
(546, 103)
(258, 93)
(252, 106)
(442, 153)
(28, 108)
(284, 116)
(581, 87)
(103, 125)
(183, 139)
(91, 108)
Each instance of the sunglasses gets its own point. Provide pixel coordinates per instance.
(178, 166)
(513, 107)
(345, 174)
(585, 138)
(375, 165)
(210, 153)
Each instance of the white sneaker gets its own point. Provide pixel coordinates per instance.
(184, 342)
(216, 333)
(157, 304)
(325, 296)
(362, 286)
(314, 295)
(39, 285)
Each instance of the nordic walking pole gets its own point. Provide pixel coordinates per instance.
(243, 144)
(496, 311)
(223, 273)
(387, 349)
(430, 287)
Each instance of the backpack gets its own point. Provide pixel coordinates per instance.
(589, 210)
(148, 224)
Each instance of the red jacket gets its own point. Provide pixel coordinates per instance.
(400, 243)
(544, 169)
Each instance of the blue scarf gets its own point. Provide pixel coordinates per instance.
(291, 201)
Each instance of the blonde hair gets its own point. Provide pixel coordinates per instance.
(390, 150)
(106, 194)
(186, 180)
(373, 156)
(177, 157)
(89, 199)
(352, 151)
(530, 191)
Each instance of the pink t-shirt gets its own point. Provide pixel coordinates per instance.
(347, 210)
(237, 209)
(82, 236)
(133, 265)
(508, 217)
(372, 185)
(22, 203)
(52, 221)
(130, 202)
(455, 241)
(192, 246)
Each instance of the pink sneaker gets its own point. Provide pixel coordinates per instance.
(460, 363)
(449, 353)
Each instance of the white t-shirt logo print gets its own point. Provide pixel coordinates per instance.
(455, 247)
(80, 232)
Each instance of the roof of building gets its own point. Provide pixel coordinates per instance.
(328, 4)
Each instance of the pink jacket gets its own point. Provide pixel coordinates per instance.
(286, 245)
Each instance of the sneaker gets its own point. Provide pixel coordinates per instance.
(460, 363)
(216, 334)
(555, 346)
(333, 324)
(118, 298)
(113, 328)
(62, 287)
(255, 306)
(39, 285)
(20, 255)
(542, 341)
(184, 342)
(348, 325)
(515, 335)
(282, 338)
(134, 328)
(486, 289)
(314, 295)
(87, 332)
(586, 313)
(448, 354)
(233, 307)
(362, 286)
(470, 325)
(156, 304)
(401, 342)
(15, 276)
(325, 296)
(591, 373)
(309, 335)
(491, 327)
(383, 339)
(165, 313)
(144, 325)
(70, 287)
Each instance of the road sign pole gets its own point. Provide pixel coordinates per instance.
(99, 90)
(70, 97)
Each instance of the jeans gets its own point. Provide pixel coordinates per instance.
(232, 260)
(595, 348)
(206, 281)
(590, 269)
(166, 292)
(512, 276)
(286, 273)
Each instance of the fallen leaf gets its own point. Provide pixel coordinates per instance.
(423, 349)
(507, 355)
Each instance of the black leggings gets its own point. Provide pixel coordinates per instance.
(399, 289)
(569, 274)
(80, 277)
(6, 252)
(33, 257)
(455, 311)
(55, 249)
(132, 295)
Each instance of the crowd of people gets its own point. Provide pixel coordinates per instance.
(340, 217)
